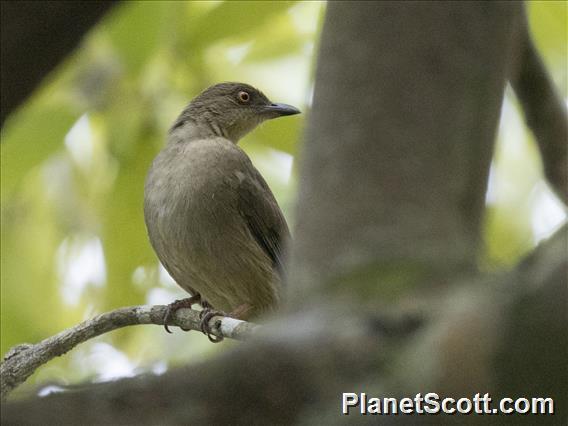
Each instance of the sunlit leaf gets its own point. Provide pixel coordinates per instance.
(135, 30)
(234, 18)
(281, 134)
(30, 136)
(549, 26)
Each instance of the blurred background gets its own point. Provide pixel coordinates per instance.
(75, 155)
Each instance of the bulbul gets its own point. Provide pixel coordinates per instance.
(211, 217)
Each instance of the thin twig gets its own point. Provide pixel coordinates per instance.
(21, 361)
(545, 113)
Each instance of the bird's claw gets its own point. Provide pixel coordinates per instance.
(205, 315)
(178, 304)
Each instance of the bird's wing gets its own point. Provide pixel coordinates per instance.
(263, 217)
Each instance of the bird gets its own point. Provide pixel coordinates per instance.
(211, 218)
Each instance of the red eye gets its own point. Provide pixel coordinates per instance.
(244, 97)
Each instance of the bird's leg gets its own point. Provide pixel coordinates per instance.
(188, 302)
(241, 312)
(205, 315)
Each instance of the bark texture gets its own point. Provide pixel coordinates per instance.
(21, 361)
(406, 105)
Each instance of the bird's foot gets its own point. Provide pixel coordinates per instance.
(205, 315)
(188, 302)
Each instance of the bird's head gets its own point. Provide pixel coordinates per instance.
(230, 110)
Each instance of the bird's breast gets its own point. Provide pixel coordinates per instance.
(191, 212)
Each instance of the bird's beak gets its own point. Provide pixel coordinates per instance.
(279, 110)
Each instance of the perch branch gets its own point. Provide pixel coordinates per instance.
(305, 361)
(21, 361)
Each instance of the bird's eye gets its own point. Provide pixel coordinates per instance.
(244, 97)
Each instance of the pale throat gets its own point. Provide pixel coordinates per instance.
(208, 128)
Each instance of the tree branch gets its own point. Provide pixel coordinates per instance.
(307, 359)
(299, 365)
(36, 37)
(545, 112)
(21, 361)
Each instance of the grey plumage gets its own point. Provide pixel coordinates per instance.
(211, 218)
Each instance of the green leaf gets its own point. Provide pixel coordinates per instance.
(124, 235)
(548, 22)
(281, 134)
(135, 30)
(30, 136)
(234, 19)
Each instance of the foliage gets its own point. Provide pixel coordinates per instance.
(74, 159)
(522, 210)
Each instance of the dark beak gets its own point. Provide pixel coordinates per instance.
(279, 110)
